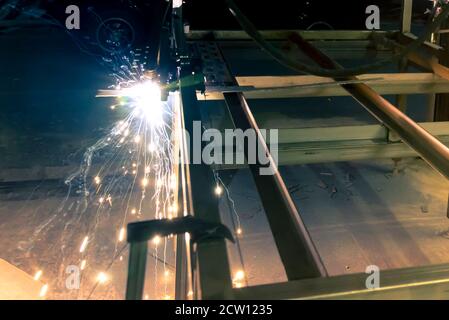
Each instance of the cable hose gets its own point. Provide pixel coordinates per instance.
(295, 65)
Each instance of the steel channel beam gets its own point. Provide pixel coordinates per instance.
(136, 270)
(427, 146)
(429, 282)
(182, 279)
(296, 249)
(406, 24)
(334, 144)
(406, 16)
(269, 87)
(213, 263)
(428, 47)
(211, 256)
(298, 254)
(281, 35)
(441, 110)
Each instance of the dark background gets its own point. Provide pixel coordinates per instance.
(213, 14)
(143, 15)
(278, 14)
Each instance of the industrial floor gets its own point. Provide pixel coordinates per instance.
(42, 229)
(358, 214)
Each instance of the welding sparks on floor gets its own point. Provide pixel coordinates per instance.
(144, 139)
(134, 176)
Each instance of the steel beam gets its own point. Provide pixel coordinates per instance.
(427, 146)
(269, 87)
(336, 144)
(213, 263)
(280, 35)
(182, 279)
(406, 16)
(430, 282)
(213, 274)
(434, 49)
(406, 26)
(296, 249)
(338, 151)
(136, 270)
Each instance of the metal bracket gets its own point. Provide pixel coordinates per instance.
(200, 230)
(139, 233)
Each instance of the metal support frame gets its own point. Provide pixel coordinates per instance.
(303, 267)
(427, 146)
(139, 233)
(373, 144)
(311, 145)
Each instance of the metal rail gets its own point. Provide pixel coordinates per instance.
(213, 278)
(429, 282)
(296, 249)
(345, 143)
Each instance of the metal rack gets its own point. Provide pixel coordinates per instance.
(397, 136)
